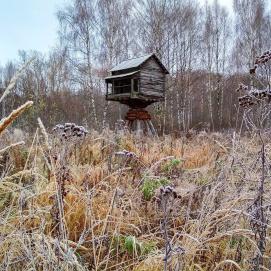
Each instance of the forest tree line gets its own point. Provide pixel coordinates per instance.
(206, 48)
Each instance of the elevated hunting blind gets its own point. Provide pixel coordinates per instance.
(137, 82)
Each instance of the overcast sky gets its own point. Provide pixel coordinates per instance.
(27, 25)
(32, 25)
(225, 3)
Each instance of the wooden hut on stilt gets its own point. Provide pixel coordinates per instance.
(138, 82)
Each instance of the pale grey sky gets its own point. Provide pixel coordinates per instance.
(32, 25)
(27, 25)
(225, 3)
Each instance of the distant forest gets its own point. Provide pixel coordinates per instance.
(207, 50)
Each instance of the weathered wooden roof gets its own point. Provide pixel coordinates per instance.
(136, 62)
(121, 75)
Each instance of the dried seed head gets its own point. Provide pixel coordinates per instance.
(167, 191)
(69, 131)
(69, 125)
(252, 71)
(127, 154)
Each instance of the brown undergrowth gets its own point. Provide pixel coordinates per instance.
(111, 217)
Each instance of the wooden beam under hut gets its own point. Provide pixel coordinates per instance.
(139, 120)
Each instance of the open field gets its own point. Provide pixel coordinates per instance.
(135, 135)
(96, 204)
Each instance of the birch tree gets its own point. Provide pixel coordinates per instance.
(77, 34)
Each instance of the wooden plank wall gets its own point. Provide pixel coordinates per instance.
(152, 78)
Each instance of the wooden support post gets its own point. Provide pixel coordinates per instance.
(152, 128)
(139, 120)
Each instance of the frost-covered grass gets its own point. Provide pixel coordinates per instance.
(95, 203)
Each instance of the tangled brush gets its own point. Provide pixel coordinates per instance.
(254, 95)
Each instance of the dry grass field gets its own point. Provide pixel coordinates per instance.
(120, 202)
(73, 199)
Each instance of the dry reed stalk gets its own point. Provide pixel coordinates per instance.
(199, 268)
(227, 262)
(17, 175)
(5, 122)
(220, 236)
(14, 79)
(160, 161)
(44, 133)
(77, 247)
(12, 146)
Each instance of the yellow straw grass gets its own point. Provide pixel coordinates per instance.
(5, 122)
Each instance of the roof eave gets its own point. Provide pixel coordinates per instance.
(160, 63)
(109, 78)
(134, 67)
